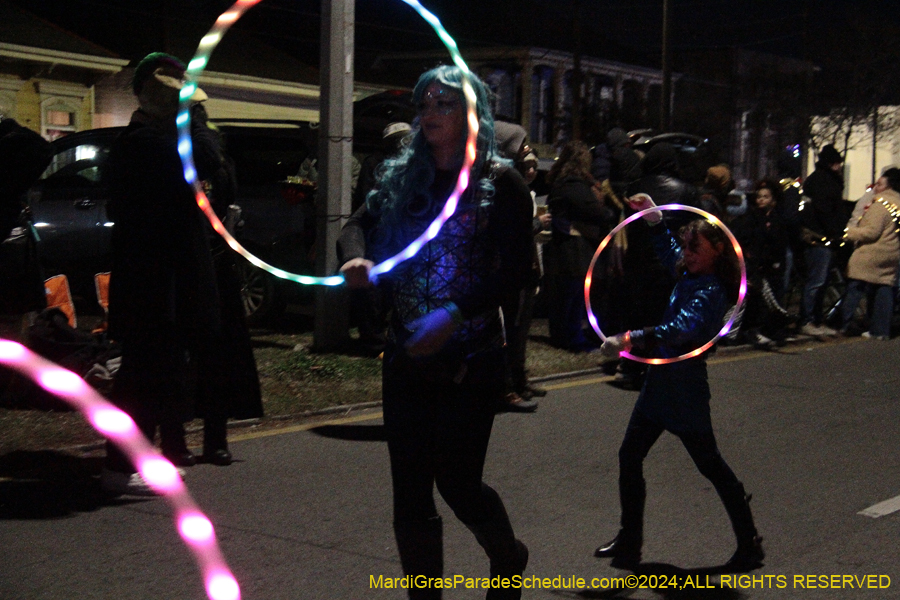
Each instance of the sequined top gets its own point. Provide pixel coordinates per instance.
(677, 395)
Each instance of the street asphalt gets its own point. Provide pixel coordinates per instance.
(305, 513)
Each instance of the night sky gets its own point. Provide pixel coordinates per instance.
(626, 30)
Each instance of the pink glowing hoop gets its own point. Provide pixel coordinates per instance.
(735, 312)
(195, 528)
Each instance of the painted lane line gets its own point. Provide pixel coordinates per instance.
(882, 508)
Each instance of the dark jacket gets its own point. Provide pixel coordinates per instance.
(826, 213)
(481, 255)
(676, 396)
(764, 240)
(23, 157)
(580, 222)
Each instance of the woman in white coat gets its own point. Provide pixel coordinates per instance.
(872, 269)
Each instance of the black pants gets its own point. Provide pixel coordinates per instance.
(517, 320)
(151, 386)
(640, 436)
(438, 431)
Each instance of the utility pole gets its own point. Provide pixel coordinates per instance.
(665, 101)
(335, 155)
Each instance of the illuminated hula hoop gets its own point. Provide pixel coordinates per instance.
(185, 149)
(736, 311)
(193, 526)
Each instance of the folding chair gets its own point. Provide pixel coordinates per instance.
(59, 296)
(101, 286)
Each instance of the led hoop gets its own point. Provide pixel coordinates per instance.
(194, 527)
(185, 148)
(734, 313)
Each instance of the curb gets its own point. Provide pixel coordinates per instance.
(349, 408)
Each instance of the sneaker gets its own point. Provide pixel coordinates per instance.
(761, 341)
(811, 330)
(868, 335)
(826, 330)
(513, 402)
(127, 484)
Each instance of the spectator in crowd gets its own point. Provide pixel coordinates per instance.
(625, 162)
(646, 283)
(444, 366)
(227, 378)
(23, 157)
(518, 310)
(823, 220)
(676, 396)
(580, 221)
(367, 306)
(163, 301)
(763, 237)
(714, 193)
(872, 269)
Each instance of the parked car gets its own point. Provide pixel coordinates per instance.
(277, 217)
(693, 151)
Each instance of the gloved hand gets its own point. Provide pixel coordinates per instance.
(641, 202)
(613, 346)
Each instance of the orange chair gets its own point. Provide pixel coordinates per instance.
(59, 296)
(101, 285)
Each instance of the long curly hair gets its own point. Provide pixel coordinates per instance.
(401, 199)
(574, 160)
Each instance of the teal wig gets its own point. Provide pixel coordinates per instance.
(400, 199)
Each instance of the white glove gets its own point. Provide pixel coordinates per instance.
(641, 202)
(613, 346)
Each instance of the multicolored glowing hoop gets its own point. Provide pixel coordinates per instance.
(193, 526)
(736, 311)
(185, 148)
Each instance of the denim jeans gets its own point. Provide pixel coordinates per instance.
(818, 263)
(880, 299)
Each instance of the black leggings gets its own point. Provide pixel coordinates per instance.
(640, 436)
(438, 431)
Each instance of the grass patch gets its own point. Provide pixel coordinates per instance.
(294, 380)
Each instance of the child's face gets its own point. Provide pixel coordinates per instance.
(764, 199)
(700, 255)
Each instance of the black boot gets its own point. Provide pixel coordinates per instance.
(625, 548)
(173, 446)
(215, 442)
(508, 556)
(749, 553)
(421, 548)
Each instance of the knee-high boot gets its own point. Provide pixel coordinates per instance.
(421, 548)
(625, 548)
(508, 555)
(749, 553)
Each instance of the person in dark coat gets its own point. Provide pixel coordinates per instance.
(227, 378)
(163, 301)
(24, 155)
(763, 236)
(647, 283)
(580, 221)
(824, 217)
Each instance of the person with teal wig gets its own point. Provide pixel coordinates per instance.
(444, 364)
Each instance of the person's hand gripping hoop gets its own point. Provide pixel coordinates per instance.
(640, 202)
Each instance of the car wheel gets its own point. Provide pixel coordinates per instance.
(259, 294)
